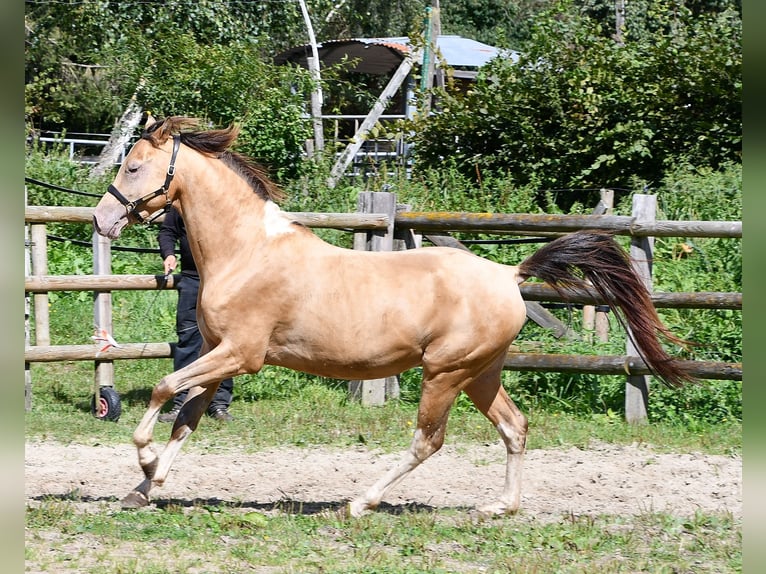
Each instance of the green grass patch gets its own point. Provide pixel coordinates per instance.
(319, 412)
(231, 539)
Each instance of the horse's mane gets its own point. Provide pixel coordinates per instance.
(215, 143)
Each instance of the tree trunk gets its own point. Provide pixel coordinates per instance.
(121, 134)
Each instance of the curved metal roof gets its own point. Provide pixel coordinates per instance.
(383, 55)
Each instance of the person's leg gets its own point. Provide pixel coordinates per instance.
(219, 406)
(189, 338)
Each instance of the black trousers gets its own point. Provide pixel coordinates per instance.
(190, 341)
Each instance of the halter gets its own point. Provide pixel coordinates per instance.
(133, 207)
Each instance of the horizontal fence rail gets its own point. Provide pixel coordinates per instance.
(53, 353)
(363, 221)
(530, 291)
(453, 221)
(513, 223)
(580, 364)
(676, 300)
(614, 365)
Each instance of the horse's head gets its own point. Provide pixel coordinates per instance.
(144, 184)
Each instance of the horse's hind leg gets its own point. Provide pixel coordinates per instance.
(436, 399)
(489, 396)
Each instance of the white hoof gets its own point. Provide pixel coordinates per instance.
(498, 508)
(357, 508)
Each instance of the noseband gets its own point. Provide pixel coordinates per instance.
(133, 207)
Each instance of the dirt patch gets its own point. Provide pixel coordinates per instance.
(605, 478)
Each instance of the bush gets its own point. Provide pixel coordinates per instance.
(580, 111)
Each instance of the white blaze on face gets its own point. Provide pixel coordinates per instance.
(275, 221)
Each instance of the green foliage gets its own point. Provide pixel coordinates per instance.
(581, 111)
(84, 51)
(223, 84)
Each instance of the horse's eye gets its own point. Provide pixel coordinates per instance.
(132, 167)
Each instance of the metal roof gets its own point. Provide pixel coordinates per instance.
(383, 55)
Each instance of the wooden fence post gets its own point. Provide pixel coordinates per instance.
(40, 267)
(27, 309)
(641, 253)
(593, 320)
(102, 309)
(375, 391)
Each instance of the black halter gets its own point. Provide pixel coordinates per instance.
(133, 207)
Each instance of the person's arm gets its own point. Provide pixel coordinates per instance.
(167, 237)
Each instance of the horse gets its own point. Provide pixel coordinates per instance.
(273, 292)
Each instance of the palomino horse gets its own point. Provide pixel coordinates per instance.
(273, 293)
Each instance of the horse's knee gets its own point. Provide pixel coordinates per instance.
(162, 392)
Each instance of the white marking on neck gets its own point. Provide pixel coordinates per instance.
(275, 221)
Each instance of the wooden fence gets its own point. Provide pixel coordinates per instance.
(382, 224)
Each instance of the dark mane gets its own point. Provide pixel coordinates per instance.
(215, 143)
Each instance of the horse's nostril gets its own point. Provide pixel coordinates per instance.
(95, 225)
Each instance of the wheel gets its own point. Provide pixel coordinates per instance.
(107, 405)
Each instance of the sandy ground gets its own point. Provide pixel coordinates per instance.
(605, 478)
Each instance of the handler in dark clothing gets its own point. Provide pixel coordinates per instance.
(173, 231)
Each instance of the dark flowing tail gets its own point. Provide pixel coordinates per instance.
(602, 261)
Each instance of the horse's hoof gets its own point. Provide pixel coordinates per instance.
(135, 499)
(355, 509)
(497, 509)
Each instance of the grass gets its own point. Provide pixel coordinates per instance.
(320, 413)
(230, 539)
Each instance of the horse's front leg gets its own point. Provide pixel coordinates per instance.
(202, 377)
(142, 438)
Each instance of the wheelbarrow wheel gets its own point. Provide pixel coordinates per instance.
(106, 406)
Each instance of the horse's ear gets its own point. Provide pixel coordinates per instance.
(150, 121)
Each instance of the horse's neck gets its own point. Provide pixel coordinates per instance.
(224, 220)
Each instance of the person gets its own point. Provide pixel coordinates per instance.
(173, 231)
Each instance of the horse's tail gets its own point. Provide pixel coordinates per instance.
(607, 267)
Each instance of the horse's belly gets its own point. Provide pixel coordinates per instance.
(357, 361)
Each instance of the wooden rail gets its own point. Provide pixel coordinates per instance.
(51, 214)
(614, 365)
(53, 353)
(530, 291)
(451, 221)
(583, 364)
(515, 223)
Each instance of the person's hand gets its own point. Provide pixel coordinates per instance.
(169, 264)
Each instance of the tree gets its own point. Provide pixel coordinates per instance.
(69, 46)
(581, 111)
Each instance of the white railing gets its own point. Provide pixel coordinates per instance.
(339, 129)
(83, 144)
